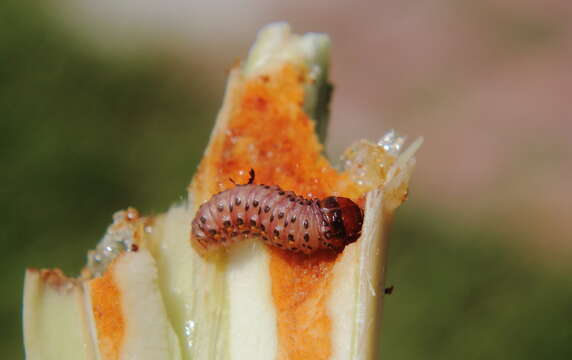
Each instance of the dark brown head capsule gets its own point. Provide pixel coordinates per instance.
(344, 217)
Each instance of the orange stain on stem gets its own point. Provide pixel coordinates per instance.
(268, 131)
(300, 288)
(108, 315)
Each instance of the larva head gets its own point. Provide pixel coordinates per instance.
(344, 217)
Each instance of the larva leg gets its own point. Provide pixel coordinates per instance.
(251, 178)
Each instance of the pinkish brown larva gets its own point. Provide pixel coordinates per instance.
(279, 217)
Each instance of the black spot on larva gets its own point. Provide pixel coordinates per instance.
(212, 231)
(264, 238)
(306, 237)
(239, 221)
(281, 193)
(293, 249)
(306, 224)
(246, 206)
(266, 187)
(293, 219)
(266, 208)
(255, 203)
(262, 227)
(271, 218)
(220, 207)
(226, 223)
(291, 198)
(252, 222)
(276, 232)
(301, 201)
(279, 245)
(280, 214)
(234, 233)
(290, 237)
(285, 223)
(237, 201)
(230, 208)
(203, 219)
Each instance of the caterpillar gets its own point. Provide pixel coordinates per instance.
(281, 218)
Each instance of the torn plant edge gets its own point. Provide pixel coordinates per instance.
(361, 269)
(276, 45)
(55, 323)
(127, 311)
(116, 312)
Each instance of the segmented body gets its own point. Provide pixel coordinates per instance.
(280, 218)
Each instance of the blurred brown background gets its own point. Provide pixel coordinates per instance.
(106, 104)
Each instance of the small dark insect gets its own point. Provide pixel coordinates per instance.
(280, 217)
(389, 290)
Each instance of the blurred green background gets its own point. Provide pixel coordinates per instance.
(85, 131)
